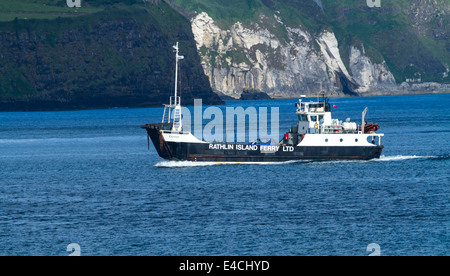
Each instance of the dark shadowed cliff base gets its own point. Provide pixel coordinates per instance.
(118, 57)
(101, 102)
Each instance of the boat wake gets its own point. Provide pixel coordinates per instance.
(183, 164)
(401, 158)
(383, 158)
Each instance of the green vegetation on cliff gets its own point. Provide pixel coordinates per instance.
(413, 46)
(111, 53)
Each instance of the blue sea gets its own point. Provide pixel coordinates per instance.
(87, 177)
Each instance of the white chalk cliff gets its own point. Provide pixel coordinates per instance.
(288, 65)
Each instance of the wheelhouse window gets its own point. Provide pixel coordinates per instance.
(303, 118)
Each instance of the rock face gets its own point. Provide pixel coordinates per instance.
(113, 59)
(256, 56)
(369, 76)
(252, 57)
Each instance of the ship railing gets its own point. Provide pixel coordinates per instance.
(330, 129)
(173, 102)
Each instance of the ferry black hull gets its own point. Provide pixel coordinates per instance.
(201, 153)
(228, 152)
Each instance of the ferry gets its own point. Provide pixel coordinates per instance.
(315, 136)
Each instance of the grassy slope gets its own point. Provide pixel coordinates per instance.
(51, 9)
(43, 9)
(16, 78)
(225, 12)
(386, 32)
(94, 64)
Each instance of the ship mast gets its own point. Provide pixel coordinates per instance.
(177, 125)
(177, 57)
(175, 101)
